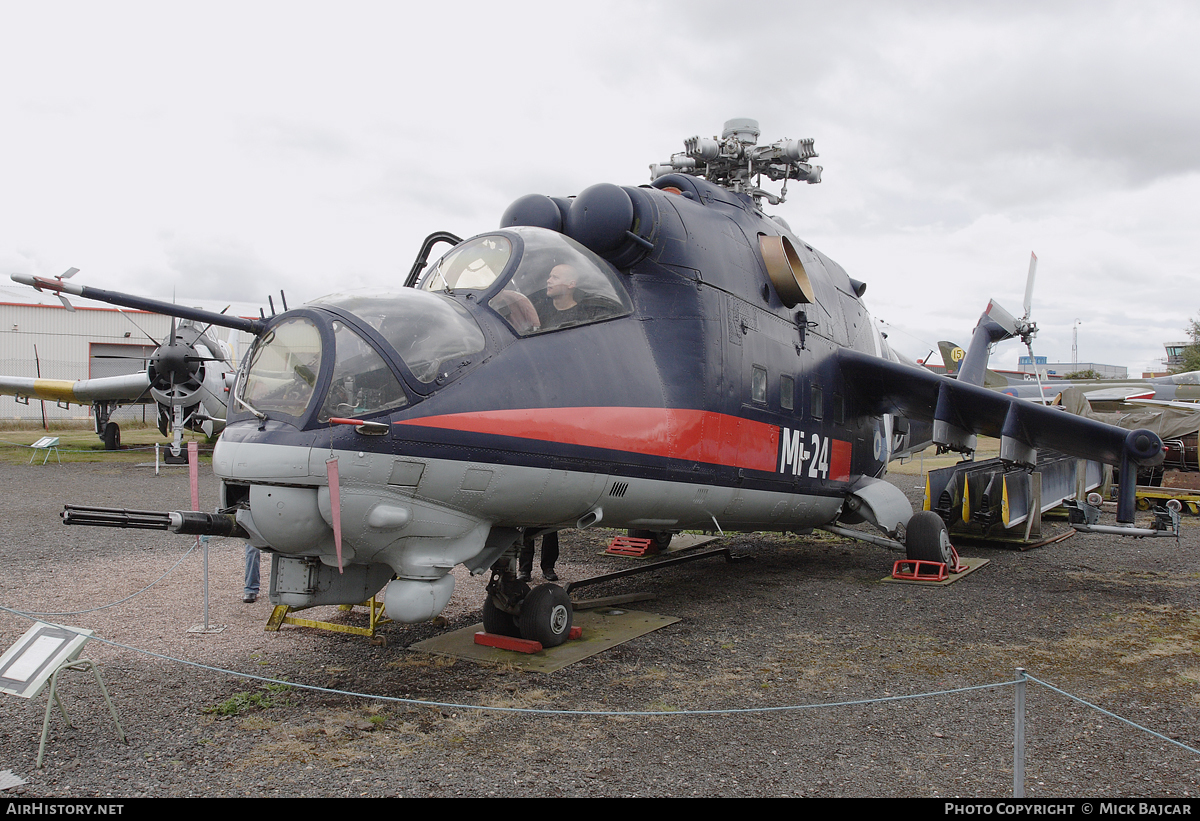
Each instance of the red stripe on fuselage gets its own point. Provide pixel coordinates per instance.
(691, 435)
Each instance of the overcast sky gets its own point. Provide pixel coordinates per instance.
(226, 150)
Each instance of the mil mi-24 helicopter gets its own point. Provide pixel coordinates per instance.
(658, 358)
(187, 377)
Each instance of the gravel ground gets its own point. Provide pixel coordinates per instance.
(807, 622)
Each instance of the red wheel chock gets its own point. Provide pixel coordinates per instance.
(628, 546)
(919, 570)
(520, 645)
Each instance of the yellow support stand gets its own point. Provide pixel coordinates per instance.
(280, 617)
(1147, 497)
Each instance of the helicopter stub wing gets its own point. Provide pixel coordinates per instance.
(960, 411)
(126, 388)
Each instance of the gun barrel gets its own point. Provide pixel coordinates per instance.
(188, 522)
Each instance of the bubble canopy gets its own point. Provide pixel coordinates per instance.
(368, 352)
(539, 280)
(353, 355)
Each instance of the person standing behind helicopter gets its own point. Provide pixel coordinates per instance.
(549, 556)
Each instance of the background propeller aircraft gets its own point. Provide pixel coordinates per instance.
(663, 357)
(1176, 389)
(187, 377)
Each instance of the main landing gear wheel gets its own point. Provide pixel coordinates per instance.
(546, 615)
(928, 540)
(112, 436)
(659, 538)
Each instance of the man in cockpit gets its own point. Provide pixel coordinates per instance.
(569, 302)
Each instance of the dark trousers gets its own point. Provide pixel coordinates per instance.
(549, 552)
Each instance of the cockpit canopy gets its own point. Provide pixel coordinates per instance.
(550, 281)
(366, 340)
(356, 354)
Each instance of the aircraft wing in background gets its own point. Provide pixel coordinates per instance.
(125, 389)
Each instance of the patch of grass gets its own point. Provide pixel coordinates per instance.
(242, 702)
(79, 443)
(239, 703)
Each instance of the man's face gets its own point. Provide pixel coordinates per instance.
(561, 281)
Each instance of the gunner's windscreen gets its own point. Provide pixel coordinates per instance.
(283, 370)
(432, 334)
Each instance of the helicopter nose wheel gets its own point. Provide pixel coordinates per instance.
(543, 614)
(546, 615)
(497, 622)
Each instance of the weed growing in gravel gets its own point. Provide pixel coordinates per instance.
(239, 703)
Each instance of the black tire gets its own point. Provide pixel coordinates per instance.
(659, 538)
(112, 436)
(928, 540)
(546, 615)
(497, 622)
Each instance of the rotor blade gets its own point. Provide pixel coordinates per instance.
(1029, 284)
(251, 326)
(209, 325)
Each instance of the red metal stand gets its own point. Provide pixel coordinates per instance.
(628, 546)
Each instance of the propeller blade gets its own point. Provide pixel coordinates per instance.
(1029, 284)
(139, 327)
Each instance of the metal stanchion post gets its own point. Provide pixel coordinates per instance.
(1019, 736)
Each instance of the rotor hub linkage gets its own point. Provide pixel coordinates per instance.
(735, 161)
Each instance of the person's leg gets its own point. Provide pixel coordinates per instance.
(525, 557)
(253, 557)
(550, 555)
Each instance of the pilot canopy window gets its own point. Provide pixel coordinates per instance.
(554, 283)
(472, 265)
(557, 283)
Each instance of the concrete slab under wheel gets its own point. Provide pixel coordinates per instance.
(603, 628)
